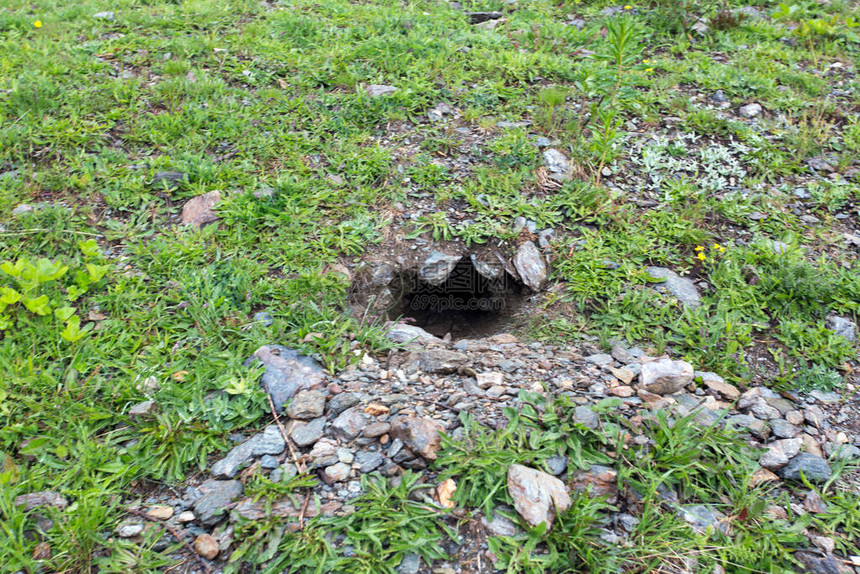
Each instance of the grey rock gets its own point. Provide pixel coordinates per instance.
(814, 468)
(269, 462)
(703, 519)
(545, 238)
(349, 423)
(749, 111)
(104, 16)
(665, 376)
(490, 271)
(536, 495)
(438, 267)
(287, 372)
(369, 461)
(264, 318)
(440, 112)
(780, 452)
(337, 472)
(410, 564)
(420, 435)
(306, 405)
(144, 410)
(501, 525)
(440, 361)
(819, 164)
(374, 430)
(168, 179)
(480, 17)
(587, 417)
(216, 495)
(843, 327)
(557, 465)
(600, 359)
(378, 90)
(842, 451)
(783, 429)
(401, 333)
(557, 164)
(718, 97)
(341, 402)
(269, 441)
(826, 397)
(814, 564)
(33, 500)
(682, 288)
(306, 434)
(755, 426)
(129, 529)
(530, 265)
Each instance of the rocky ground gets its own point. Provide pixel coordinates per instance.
(386, 413)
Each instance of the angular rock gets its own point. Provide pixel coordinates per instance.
(530, 265)
(602, 480)
(369, 461)
(337, 472)
(251, 509)
(814, 564)
(813, 468)
(287, 372)
(480, 17)
(349, 423)
(306, 405)
(341, 402)
(665, 376)
(501, 525)
(682, 288)
(782, 429)
(269, 441)
(749, 111)
(756, 427)
(437, 268)
(780, 452)
(374, 430)
(536, 495)
(585, 416)
(439, 361)
(198, 211)
(306, 434)
(144, 410)
(217, 494)
(401, 333)
(703, 519)
(104, 16)
(717, 384)
(843, 327)
(557, 164)
(420, 435)
(490, 271)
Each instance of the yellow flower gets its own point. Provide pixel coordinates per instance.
(628, 7)
(649, 69)
(645, 61)
(702, 256)
(37, 24)
(717, 246)
(699, 248)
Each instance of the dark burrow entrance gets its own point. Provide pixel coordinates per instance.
(470, 299)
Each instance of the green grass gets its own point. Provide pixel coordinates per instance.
(245, 97)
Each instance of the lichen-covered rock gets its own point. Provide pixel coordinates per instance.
(536, 495)
(665, 376)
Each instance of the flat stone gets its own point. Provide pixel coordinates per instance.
(501, 525)
(813, 468)
(665, 376)
(682, 288)
(487, 380)
(717, 384)
(104, 16)
(349, 423)
(438, 267)
(269, 462)
(160, 512)
(200, 210)
(374, 430)
(217, 494)
(337, 472)
(306, 405)
(600, 359)
(411, 564)
(536, 495)
(814, 564)
(269, 441)
(128, 529)
(420, 435)
(703, 519)
(306, 434)
(42, 498)
(168, 179)
(557, 464)
(755, 426)
(530, 265)
(782, 429)
(439, 361)
(401, 333)
(287, 372)
(378, 90)
(144, 410)
(480, 17)
(341, 402)
(369, 461)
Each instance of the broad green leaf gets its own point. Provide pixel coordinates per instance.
(63, 313)
(89, 247)
(39, 305)
(9, 296)
(97, 271)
